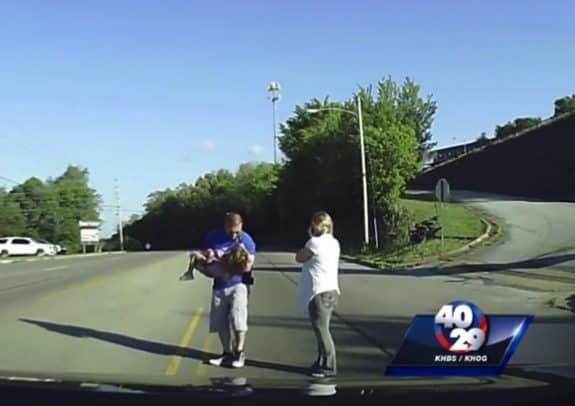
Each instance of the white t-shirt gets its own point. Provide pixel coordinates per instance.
(320, 272)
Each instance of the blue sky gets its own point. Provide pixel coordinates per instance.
(157, 93)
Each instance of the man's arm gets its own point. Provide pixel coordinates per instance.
(249, 245)
(250, 263)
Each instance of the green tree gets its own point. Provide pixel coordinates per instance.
(393, 162)
(181, 217)
(322, 171)
(482, 139)
(50, 210)
(76, 202)
(323, 168)
(12, 220)
(156, 199)
(133, 218)
(31, 199)
(519, 124)
(564, 105)
(417, 113)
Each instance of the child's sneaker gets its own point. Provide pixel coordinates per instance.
(189, 274)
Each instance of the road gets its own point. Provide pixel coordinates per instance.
(128, 318)
(537, 250)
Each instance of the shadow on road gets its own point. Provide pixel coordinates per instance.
(152, 346)
(466, 196)
(294, 269)
(535, 263)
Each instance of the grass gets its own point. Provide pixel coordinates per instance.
(461, 225)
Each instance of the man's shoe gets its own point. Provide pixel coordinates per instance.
(239, 360)
(224, 359)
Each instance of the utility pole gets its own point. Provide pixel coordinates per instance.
(119, 214)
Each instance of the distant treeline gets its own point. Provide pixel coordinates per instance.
(49, 210)
(562, 106)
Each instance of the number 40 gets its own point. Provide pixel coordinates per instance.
(461, 316)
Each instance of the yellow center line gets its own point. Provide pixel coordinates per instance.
(201, 370)
(175, 360)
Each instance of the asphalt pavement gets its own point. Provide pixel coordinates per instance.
(129, 317)
(537, 249)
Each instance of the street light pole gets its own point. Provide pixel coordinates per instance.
(363, 172)
(274, 90)
(275, 133)
(359, 116)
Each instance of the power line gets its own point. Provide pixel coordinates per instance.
(9, 180)
(52, 199)
(106, 209)
(43, 210)
(23, 197)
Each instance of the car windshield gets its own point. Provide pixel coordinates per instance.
(368, 192)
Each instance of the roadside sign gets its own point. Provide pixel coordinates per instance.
(442, 194)
(442, 190)
(89, 224)
(89, 235)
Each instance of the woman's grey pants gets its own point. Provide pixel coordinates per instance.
(320, 309)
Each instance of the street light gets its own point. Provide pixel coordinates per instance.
(359, 117)
(274, 93)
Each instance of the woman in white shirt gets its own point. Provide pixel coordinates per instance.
(319, 288)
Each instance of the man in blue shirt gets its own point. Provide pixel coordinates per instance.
(229, 309)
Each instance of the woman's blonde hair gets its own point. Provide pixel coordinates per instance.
(321, 223)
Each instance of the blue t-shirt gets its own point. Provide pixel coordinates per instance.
(219, 240)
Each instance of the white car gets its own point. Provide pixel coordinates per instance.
(10, 246)
(54, 248)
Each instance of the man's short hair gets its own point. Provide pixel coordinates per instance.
(233, 219)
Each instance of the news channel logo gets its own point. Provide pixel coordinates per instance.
(459, 340)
